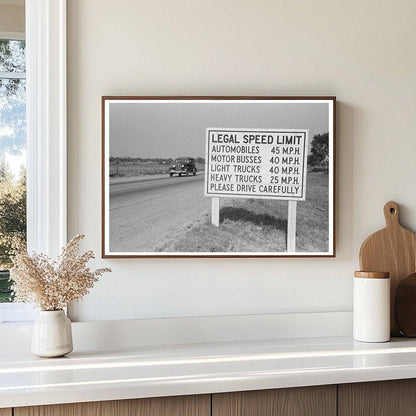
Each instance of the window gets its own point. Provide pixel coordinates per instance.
(12, 154)
(45, 89)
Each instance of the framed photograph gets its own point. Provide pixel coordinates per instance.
(218, 176)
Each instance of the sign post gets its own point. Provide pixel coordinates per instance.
(215, 216)
(291, 226)
(257, 163)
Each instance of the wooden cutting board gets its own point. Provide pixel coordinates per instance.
(393, 250)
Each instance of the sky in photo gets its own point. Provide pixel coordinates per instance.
(169, 130)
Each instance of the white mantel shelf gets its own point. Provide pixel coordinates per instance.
(151, 371)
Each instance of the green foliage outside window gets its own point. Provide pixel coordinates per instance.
(12, 145)
(12, 223)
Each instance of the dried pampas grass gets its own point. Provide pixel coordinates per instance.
(53, 285)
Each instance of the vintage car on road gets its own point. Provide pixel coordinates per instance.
(183, 166)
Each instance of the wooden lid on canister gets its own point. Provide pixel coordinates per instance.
(372, 275)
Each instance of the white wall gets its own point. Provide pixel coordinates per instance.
(361, 51)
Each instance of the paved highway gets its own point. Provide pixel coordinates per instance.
(149, 211)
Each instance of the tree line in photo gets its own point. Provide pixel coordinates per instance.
(137, 166)
(160, 160)
(319, 155)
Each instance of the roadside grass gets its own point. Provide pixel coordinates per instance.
(259, 225)
(312, 215)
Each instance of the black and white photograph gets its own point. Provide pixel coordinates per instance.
(218, 176)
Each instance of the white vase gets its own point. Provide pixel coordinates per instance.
(52, 334)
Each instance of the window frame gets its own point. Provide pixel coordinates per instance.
(46, 137)
(12, 35)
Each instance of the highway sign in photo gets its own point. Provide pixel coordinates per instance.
(266, 164)
(218, 176)
(256, 163)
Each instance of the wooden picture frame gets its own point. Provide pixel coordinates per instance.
(218, 176)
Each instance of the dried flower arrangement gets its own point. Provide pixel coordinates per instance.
(53, 285)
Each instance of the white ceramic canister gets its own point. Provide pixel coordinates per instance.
(52, 334)
(371, 305)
